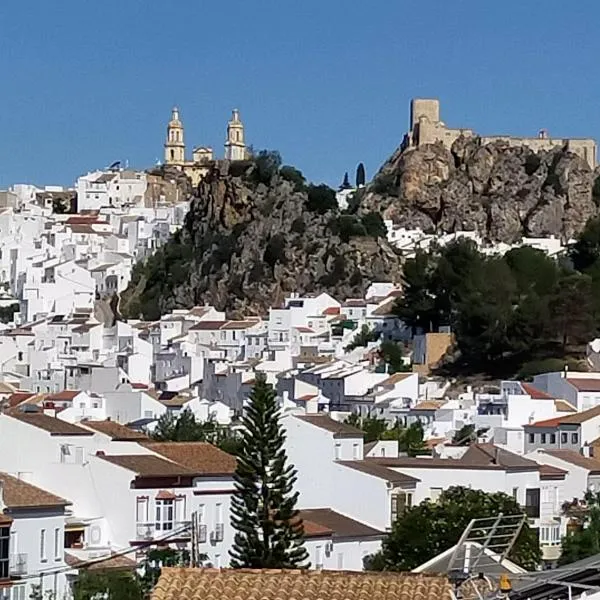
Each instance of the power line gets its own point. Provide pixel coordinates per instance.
(89, 563)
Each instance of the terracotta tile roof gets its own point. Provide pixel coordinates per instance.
(19, 494)
(50, 424)
(550, 472)
(201, 457)
(488, 454)
(395, 378)
(139, 386)
(429, 405)
(355, 302)
(332, 310)
(147, 465)
(238, 324)
(384, 309)
(111, 563)
(564, 406)
(207, 326)
(572, 419)
(18, 397)
(339, 525)
(115, 431)
(304, 329)
(535, 393)
(584, 384)
(554, 422)
(574, 458)
(370, 467)
(176, 583)
(338, 429)
(306, 397)
(65, 395)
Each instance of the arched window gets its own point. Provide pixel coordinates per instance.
(172, 154)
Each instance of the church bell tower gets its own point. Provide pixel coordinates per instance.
(174, 145)
(235, 147)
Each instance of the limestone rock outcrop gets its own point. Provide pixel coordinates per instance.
(501, 192)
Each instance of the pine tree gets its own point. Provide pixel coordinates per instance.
(269, 533)
(360, 175)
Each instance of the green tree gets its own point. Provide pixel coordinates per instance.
(165, 427)
(572, 308)
(587, 249)
(426, 530)
(374, 225)
(294, 176)
(321, 198)
(157, 558)
(373, 427)
(360, 175)
(362, 338)
(266, 166)
(583, 537)
(392, 355)
(108, 585)
(269, 533)
(411, 440)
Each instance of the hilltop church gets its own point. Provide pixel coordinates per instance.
(196, 169)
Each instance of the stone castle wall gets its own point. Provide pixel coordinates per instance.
(427, 128)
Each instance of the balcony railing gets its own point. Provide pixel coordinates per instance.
(217, 533)
(18, 565)
(163, 529)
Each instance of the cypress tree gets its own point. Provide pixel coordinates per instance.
(269, 533)
(360, 175)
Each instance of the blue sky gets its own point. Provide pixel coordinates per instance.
(326, 82)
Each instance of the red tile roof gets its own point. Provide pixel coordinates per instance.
(18, 397)
(115, 431)
(49, 424)
(201, 457)
(572, 419)
(65, 395)
(584, 384)
(208, 326)
(535, 393)
(304, 329)
(332, 310)
(19, 494)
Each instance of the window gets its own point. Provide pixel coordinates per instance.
(43, 545)
(515, 493)
(165, 515)
(574, 438)
(20, 356)
(531, 438)
(400, 502)
(4, 551)
(532, 503)
(543, 436)
(338, 450)
(355, 452)
(218, 514)
(141, 509)
(57, 544)
(553, 438)
(549, 535)
(564, 438)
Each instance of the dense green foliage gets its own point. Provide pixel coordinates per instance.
(294, 176)
(410, 439)
(521, 307)
(269, 533)
(583, 536)
(362, 338)
(426, 530)
(321, 198)
(185, 428)
(7, 313)
(117, 585)
(391, 355)
(360, 175)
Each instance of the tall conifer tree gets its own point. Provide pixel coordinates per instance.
(269, 533)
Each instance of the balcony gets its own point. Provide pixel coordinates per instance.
(163, 529)
(217, 534)
(18, 565)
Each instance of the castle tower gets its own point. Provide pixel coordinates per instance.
(174, 145)
(235, 147)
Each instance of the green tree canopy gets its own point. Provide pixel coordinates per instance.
(269, 533)
(583, 537)
(430, 528)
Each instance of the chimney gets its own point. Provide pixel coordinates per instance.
(100, 453)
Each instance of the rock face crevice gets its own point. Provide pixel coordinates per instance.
(501, 192)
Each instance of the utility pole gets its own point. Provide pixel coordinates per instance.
(194, 542)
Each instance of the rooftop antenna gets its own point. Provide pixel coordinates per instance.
(478, 556)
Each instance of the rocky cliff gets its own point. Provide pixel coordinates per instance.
(246, 245)
(503, 193)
